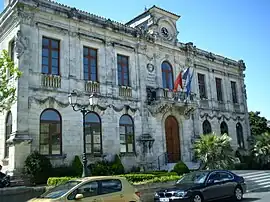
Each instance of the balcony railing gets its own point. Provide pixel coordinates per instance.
(52, 81)
(92, 87)
(176, 96)
(125, 91)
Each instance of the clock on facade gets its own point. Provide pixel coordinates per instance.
(164, 32)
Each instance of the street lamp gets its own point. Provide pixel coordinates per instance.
(72, 98)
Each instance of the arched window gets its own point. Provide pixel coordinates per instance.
(8, 132)
(240, 136)
(167, 75)
(207, 127)
(93, 133)
(50, 142)
(224, 128)
(126, 128)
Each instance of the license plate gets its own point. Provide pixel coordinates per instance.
(164, 199)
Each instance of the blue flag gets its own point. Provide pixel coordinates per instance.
(185, 73)
(189, 83)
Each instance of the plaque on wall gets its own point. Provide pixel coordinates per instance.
(151, 75)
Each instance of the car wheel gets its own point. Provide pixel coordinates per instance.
(238, 194)
(197, 198)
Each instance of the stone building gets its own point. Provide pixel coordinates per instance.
(131, 67)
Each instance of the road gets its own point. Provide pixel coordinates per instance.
(254, 197)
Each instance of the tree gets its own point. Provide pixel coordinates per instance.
(258, 124)
(214, 151)
(261, 149)
(7, 87)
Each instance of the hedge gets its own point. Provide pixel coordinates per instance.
(132, 178)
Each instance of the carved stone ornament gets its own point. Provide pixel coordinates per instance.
(159, 108)
(20, 44)
(223, 117)
(150, 67)
(74, 13)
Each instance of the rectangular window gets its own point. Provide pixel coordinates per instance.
(110, 186)
(123, 70)
(12, 49)
(90, 64)
(202, 87)
(234, 93)
(219, 89)
(50, 56)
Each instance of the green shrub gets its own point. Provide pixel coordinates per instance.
(63, 171)
(135, 169)
(77, 166)
(54, 181)
(180, 168)
(159, 179)
(117, 167)
(37, 167)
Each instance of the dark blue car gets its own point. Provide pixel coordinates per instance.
(201, 186)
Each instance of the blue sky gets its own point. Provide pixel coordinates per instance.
(235, 29)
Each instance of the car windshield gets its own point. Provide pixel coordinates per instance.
(193, 178)
(59, 190)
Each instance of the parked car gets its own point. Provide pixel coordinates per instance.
(89, 189)
(202, 186)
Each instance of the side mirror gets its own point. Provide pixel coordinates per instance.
(78, 196)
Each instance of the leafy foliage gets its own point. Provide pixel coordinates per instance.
(214, 151)
(7, 88)
(77, 166)
(37, 167)
(180, 168)
(258, 124)
(261, 149)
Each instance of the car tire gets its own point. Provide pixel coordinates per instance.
(197, 198)
(238, 194)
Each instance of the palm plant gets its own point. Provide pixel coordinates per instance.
(261, 148)
(214, 151)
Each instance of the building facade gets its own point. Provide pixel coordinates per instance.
(131, 68)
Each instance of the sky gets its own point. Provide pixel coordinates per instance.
(234, 29)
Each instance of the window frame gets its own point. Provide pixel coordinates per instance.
(50, 49)
(100, 188)
(50, 135)
(223, 123)
(92, 136)
(202, 86)
(126, 134)
(168, 74)
(234, 92)
(206, 123)
(121, 74)
(219, 90)
(89, 58)
(8, 128)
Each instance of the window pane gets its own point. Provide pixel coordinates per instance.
(45, 61)
(50, 115)
(45, 69)
(45, 52)
(130, 148)
(122, 139)
(54, 44)
(130, 139)
(85, 51)
(92, 117)
(85, 61)
(129, 129)
(97, 148)
(88, 148)
(123, 148)
(96, 138)
(88, 190)
(110, 186)
(93, 52)
(55, 62)
(125, 119)
(170, 81)
(54, 54)
(85, 76)
(45, 42)
(88, 138)
(164, 80)
(93, 77)
(93, 69)
(55, 70)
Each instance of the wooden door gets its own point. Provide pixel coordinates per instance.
(172, 139)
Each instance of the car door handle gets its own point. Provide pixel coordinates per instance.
(121, 195)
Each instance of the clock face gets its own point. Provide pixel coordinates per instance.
(164, 32)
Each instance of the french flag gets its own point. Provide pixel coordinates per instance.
(179, 79)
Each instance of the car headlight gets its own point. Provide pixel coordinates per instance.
(156, 194)
(181, 193)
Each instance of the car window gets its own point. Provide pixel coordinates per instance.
(89, 189)
(110, 186)
(225, 176)
(213, 176)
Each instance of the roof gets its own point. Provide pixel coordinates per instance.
(134, 19)
(100, 178)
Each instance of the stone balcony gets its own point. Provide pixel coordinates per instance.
(125, 91)
(51, 81)
(92, 87)
(178, 96)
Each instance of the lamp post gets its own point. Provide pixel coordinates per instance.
(72, 98)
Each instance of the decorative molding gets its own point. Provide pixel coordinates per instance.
(21, 44)
(150, 67)
(18, 137)
(223, 117)
(50, 100)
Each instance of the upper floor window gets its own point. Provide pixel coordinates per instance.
(219, 89)
(50, 56)
(234, 93)
(8, 132)
(167, 75)
(50, 142)
(123, 70)
(202, 87)
(90, 64)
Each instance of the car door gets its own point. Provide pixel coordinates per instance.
(90, 192)
(212, 189)
(227, 180)
(111, 190)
